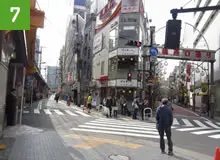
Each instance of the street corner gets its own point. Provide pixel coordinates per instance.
(91, 142)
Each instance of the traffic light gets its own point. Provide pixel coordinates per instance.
(173, 32)
(133, 43)
(139, 77)
(129, 76)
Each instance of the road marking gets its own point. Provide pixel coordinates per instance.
(70, 113)
(83, 114)
(36, 111)
(149, 125)
(39, 106)
(192, 129)
(187, 123)
(119, 129)
(98, 141)
(212, 124)
(175, 122)
(122, 126)
(218, 123)
(116, 133)
(200, 124)
(206, 132)
(58, 112)
(125, 124)
(47, 111)
(217, 136)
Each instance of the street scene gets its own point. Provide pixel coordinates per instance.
(109, 80)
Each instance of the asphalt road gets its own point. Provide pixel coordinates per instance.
(94, 137)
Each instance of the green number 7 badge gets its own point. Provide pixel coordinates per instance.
(14, 14)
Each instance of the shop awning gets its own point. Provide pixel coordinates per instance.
(103, 78)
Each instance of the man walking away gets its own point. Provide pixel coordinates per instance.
(89, 102)
(164, 118)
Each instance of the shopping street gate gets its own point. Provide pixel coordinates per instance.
(186, 54)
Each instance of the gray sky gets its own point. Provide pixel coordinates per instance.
(53, 34)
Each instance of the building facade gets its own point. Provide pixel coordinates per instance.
(52, 78)
(208, 25)
(112, 58)
(86, 54)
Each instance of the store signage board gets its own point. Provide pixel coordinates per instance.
(128, 51)
(187, 54)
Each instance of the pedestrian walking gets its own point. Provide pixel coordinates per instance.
(57, 97)
(135, 104)
(164, 118)
(109, 103)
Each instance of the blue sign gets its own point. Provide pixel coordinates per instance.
(153, 51)
(80, 2)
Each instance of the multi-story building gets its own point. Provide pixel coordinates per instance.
(86, 54)
(37, 51)
(52, 78)
(117, 23)
(208, 25)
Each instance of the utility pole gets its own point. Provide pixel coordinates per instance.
(152, 35)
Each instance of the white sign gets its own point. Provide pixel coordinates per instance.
(129, 6)
(125, 83)
(113, 53)
(127, 51)
(97, 44)
(153, 59)
(112, 83)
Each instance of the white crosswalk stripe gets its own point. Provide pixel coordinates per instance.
(187, 123)
(36, 111)
(83, 114)
(120, 127)
(175, 122)
(207, 128)
(58, 112)
(47, 111)
(70, 113)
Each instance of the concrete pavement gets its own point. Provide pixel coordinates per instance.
(56, 136)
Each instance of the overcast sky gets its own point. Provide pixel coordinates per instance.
(52, 36)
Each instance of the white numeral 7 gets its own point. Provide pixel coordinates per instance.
(17, 11)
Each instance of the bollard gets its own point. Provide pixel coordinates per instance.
(151, 112)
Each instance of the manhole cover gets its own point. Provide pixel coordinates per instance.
(118, 157)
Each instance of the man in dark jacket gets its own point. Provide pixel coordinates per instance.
(164, 118)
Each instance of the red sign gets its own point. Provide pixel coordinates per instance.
(176, 52)
(165, 51)
(106, 11)
(198, 54)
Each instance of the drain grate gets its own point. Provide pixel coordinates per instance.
(118, 157)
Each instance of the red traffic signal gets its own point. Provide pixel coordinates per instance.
(134, 43)
(139, 77)
(129, 76)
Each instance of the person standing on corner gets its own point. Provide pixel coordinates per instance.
(89, 102)
(164, 118)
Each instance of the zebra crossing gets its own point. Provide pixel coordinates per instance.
(198, 127)
(147, 129)
(75, 112)
(120, 127)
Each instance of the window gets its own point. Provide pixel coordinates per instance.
(102, 67)
(113, 39)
